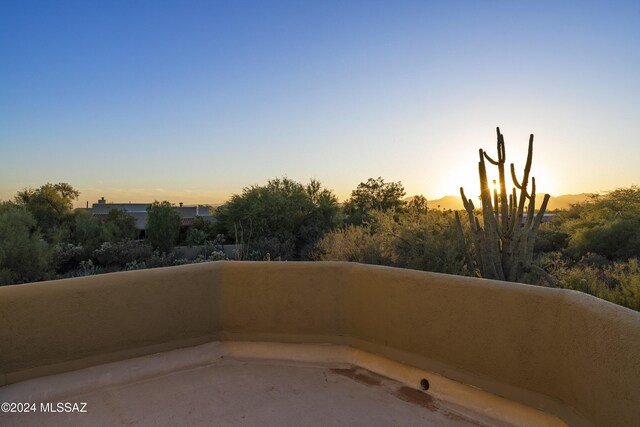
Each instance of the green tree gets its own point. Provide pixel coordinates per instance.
(88, 232)
(200, 232)
(321, 218)
(608, 225)
(51, 206)
(24, 256)
(120, 226)
(163, 226)
(77, 242)
(283, 218)
(374, 195)
(619, 203)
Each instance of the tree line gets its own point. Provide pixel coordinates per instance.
(592, 247)
(42, 237)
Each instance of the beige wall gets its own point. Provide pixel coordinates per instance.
(562, 351)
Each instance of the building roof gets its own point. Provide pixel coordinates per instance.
(188, 213)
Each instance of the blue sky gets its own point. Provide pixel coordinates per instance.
(192, 101)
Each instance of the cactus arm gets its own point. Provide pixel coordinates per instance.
(471, 267)
(496, 205)
(476, 231)
(534, 231)
(493, 162)
(491, 230)
(512, 211)
(514, 178)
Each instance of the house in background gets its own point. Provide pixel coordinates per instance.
(139, 212)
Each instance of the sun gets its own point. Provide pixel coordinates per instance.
(456, 176)
(461, 174)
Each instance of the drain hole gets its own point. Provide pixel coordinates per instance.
(424, 384)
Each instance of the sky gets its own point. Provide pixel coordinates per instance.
(192, 101)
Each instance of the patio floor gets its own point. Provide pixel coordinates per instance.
(245, 385)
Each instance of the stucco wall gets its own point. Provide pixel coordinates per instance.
(558, 350)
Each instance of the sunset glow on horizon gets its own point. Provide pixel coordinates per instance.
(192, 102)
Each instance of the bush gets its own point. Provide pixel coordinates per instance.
(196, 237)
(617, 282)
(67, 257)
(355, 244)
(281, 218)
(163, 226)
(421, 241)
(550, 240)
(615, 240)
(271, 249)
(24, 255)
(122, 254)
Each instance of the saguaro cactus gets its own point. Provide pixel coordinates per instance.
(504, 239)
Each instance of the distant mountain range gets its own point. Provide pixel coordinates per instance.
(560, 202)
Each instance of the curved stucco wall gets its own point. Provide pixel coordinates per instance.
(562, 351)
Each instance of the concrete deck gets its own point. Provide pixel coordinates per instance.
(563, 352)
(267, 384)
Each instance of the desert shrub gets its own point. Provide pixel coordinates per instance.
(213, 256)
(550, 240)
(608, 225)
(616, 240)
(217, 255)
(355, 244)
(271, 249)
(422, 241)
(160, 259)
(617, 282)
(121, 254)
(629, 277)
(135, 265)
(204, 227)
(67, 257)
(196, 237)
(429, 242)
(24, 255)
